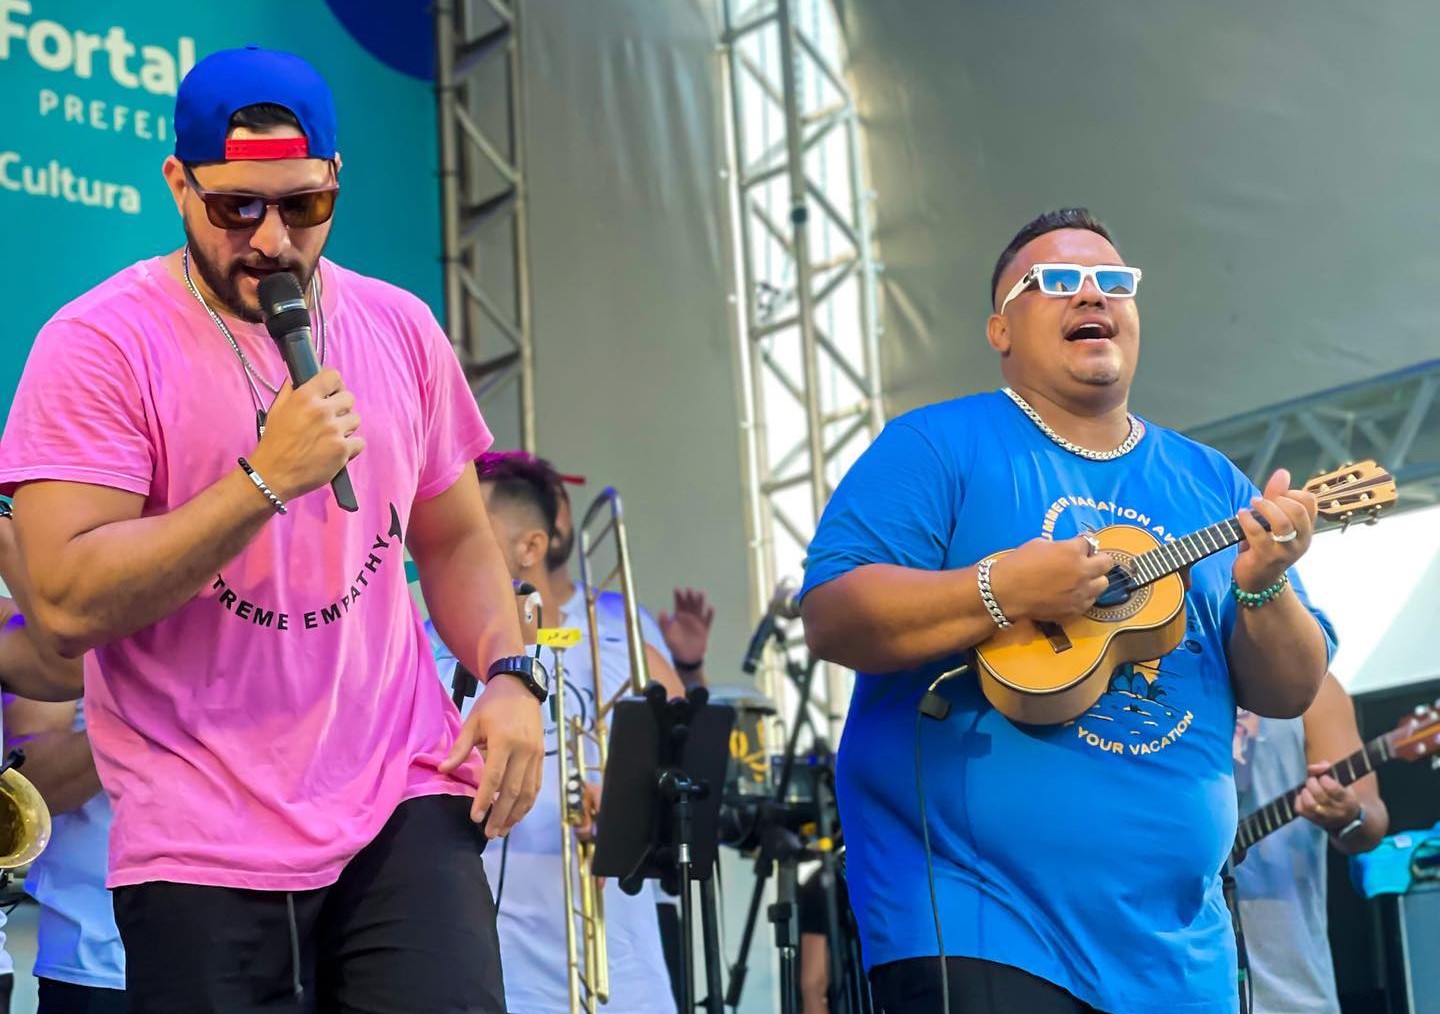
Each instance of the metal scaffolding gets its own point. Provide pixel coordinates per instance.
(485, 244)
(807, 302)
(1394, 419)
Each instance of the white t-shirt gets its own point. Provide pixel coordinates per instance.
(531, 916)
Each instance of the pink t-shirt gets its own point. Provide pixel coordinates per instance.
(262, 734)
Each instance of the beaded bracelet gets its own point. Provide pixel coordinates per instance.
(263, 487)
(1254, 600)
(987, 595)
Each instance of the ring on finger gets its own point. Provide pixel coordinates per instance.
(1287, 537)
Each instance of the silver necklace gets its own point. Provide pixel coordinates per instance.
(251, 374)
(1137, 430)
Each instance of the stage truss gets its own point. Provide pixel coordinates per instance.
(485, 242)
(1394, 419)
(806, 299)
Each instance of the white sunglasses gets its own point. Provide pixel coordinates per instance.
(1116, 280)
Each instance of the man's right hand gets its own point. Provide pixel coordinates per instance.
(1044, 580)
(309, 436)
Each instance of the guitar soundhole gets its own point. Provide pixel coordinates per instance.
(1131, 606)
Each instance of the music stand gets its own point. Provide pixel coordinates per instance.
(660, 813)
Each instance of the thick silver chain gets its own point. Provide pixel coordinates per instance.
(251, 373)
(1137, 430)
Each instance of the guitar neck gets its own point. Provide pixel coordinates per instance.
(1172, 557)
(1281, 810)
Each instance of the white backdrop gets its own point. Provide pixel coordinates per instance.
(1274, 167)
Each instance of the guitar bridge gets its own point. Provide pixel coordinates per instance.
(1055, 634)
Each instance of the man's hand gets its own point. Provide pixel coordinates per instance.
(1044, 580)
(309, 436)
(589, 811)
(687, 629)
(505, 725)
(1262, 559)
(1326, 803)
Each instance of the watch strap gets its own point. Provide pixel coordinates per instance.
(1352, 827)
(523, 668)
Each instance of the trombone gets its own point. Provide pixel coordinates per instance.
(24, 818)
(587, 963)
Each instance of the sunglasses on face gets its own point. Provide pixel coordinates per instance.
(1115, 280)
(230, 210)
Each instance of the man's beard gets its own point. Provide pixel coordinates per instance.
(226, 286)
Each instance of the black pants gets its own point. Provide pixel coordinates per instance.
(7, 986)
(976, 987)
(58, 997)
(409, 928)
(669, 916)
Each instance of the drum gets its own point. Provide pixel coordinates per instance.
(748, 775)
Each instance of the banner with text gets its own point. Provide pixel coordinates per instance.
(87, 91)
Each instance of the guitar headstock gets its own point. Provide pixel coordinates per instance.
(1355, 492)
(1417, 735)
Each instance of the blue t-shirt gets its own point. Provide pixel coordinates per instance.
(1086, 853)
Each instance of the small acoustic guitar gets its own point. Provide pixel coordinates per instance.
(1042, 673)
(1417, 736)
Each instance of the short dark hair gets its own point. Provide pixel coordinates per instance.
(263, 116)
(1050, 221)
(519, 478)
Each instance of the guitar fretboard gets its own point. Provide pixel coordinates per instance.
(1175, 556)
(1281, 811)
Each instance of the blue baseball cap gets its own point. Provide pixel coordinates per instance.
(231, 79)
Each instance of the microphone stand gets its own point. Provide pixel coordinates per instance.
(781, 849)
(782, 846)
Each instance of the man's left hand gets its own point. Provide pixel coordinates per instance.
(505, 725)
(687, 629)
(1262, 559)
(1324, 802)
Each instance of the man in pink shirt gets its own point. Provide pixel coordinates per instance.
(292, 788)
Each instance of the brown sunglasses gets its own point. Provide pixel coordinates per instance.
(230, 210)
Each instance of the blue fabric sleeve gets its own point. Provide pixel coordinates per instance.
(896, 505)
(1243, 491)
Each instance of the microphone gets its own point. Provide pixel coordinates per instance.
(783, 606)
(287, 318)
(532, 600)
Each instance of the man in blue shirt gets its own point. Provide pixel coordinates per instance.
(1281, 884)
(1074, 867)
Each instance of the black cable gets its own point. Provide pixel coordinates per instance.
(935, 707)
(930, 863)
(500, 883)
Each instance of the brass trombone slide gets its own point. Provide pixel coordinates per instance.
(587, 960)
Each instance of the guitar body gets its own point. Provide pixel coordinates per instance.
(1048, 673)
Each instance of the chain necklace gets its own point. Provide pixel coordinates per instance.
(1137, 430)
(252, 375)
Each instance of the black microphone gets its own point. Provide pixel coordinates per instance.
(287, 318)
(783, 606)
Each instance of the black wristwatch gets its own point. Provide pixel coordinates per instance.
(525, 668)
